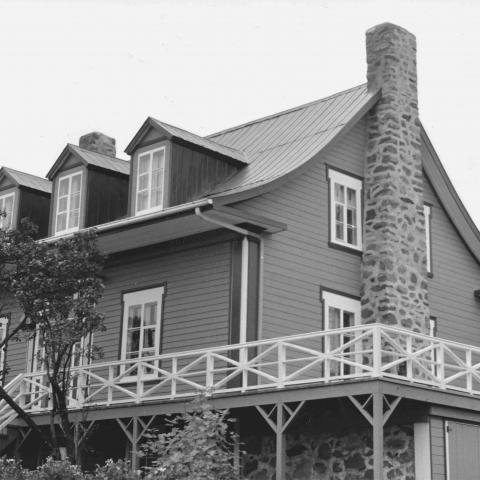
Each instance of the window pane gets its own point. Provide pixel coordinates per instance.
(148, 339)
(62, 204)
(150, 313)
(133, 341)
(134, 316)
(352, 235)
(143, 182)
(158, 160)
(142, 201)
(75, 202)
(351, 198)
(76, 180)
(61, 222)
(348, 319)
(63, 187)
(339, 193)
(333, 318)
(73, 222)
(144, 163)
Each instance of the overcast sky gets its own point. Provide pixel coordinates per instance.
(72, 67)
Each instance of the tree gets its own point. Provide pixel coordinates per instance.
(199, 445)
(57, 286)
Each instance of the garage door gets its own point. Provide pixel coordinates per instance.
(463, 451)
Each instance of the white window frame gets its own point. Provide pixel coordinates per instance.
(149, 189)
(4, 321)
(347, 181)
(3, 220)
(427, 211)
(344, 304)
(69, 199)
(142, 297)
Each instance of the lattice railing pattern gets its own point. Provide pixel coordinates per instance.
(366, 351)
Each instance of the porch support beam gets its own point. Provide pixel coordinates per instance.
(377, 436)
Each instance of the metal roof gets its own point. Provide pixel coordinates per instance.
(278, 144)
(28, 180)
(101, 160)
(200, 141)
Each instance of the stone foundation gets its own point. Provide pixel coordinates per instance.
(326, 456)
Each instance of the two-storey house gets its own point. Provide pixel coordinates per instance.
(314, 271)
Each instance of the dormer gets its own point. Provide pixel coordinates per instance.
(90, 185)
(24, 195)
(170, 166)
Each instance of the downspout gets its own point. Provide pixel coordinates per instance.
(244, 274)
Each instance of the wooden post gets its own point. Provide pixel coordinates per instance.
(134, 443)
(378, 436)
(280, 444)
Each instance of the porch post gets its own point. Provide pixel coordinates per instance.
(244, 291)
(377, 436)
(280, 444)
(134, 443)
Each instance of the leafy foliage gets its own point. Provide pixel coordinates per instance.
(199, 445)
(11, 469)
(119, 470)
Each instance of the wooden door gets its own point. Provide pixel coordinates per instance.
(463, 451)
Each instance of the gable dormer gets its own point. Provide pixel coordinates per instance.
(90, 185)
(170, 166)
(24, 195)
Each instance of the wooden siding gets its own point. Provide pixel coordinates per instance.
(36, 206)
(456, 274)
(107, 196)
(299, 261)
(437, 436)
(196, 302)
(193, 173)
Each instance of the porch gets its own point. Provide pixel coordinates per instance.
(374, 366)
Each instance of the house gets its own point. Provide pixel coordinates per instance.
(314, 271)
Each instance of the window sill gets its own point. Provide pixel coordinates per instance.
(346, 248)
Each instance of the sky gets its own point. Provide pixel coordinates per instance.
(72, 67)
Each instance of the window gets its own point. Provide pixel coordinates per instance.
(340, 312)
(427, 211)
(68, 203)
(142, 314)
(6, 206)
(345, 210)
(3, 333)
(150, 180)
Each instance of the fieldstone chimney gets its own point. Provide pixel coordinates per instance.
(98, 142)
(394, 286)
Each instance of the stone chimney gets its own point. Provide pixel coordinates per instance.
(98, 142)
(394, 286)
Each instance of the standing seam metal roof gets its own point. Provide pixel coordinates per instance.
(278, 144)
(28, 180)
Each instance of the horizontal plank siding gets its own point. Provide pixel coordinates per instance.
(298, 261)
(437, 436)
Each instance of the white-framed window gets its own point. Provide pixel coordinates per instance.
(150, 180)
(427, 211)
(67, 214)
(142, 318)
(345, 210)
(6, 207)
(3, 334)
(340, 312)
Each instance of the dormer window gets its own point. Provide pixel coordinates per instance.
(150, 181)
(67, 218)
(6, 208)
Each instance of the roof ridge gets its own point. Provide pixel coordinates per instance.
(197, 135)
(97, 153)
(284, 112)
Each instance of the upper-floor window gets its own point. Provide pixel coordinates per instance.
(6, 208)
(345, 210)
(67, 216)
(142, 314)
(427, 211)
(150, 180)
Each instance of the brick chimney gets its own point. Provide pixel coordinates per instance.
(98, 142)
(394, 286)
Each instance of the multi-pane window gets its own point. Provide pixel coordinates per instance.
(150, 180)
(141, 326)
(427, 211)
(6, 209)
(345, 210)
(340, 312)
(67, 217)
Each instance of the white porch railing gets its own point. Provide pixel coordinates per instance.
(367, 351)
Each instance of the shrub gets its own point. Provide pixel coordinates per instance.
(11, 469)
(56, 470)
(119, 470)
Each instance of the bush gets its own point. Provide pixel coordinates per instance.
(119, 470)
(56, 470)
(11, 469)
